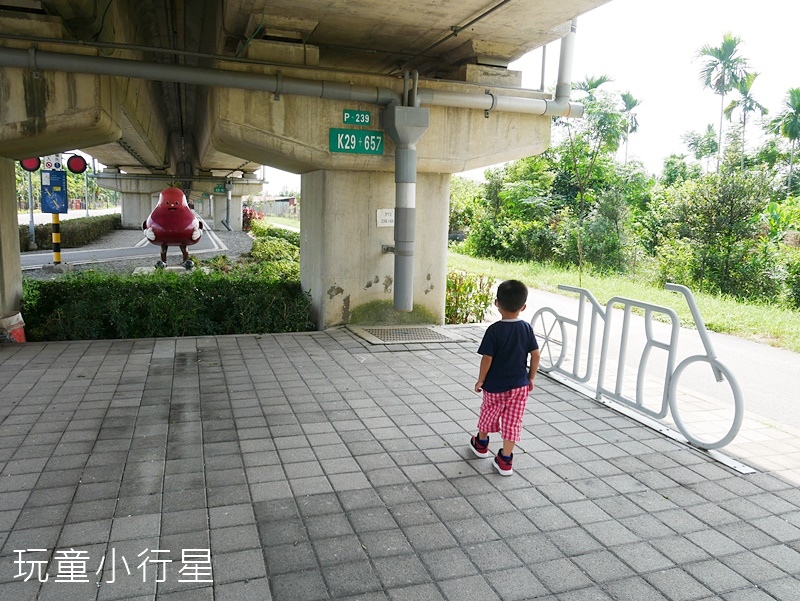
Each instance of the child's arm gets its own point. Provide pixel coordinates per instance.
(486, 362)
(534, 366)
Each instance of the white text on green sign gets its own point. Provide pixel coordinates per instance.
(356, 141)
(351, 117)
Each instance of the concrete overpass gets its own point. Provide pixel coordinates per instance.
(374, 102)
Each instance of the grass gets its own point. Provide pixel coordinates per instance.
(768, 324)
(293, 223)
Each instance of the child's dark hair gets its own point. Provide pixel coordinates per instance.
(511, 295)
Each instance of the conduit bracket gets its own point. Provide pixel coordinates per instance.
(387, 248)
(32, 62)
(494, 103)
(278, 85)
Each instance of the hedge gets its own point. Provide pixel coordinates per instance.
(97, 305)
(74, 232)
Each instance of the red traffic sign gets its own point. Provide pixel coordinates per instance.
(31, 165)
(76, 163)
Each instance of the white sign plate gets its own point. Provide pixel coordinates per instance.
(385, 217)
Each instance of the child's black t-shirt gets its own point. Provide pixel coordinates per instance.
(508, 343)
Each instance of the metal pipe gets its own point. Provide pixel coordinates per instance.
(202, 76)
(31, 226)
(405, 125)
(36, 59)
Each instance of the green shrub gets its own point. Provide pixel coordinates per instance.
(262, 229)
(96, 305)
(74, 232)
(468, 297)
(274, 249)
(793, 279)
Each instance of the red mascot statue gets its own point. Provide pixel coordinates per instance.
(172, 223)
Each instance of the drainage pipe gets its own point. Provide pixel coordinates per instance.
(405, 125)
(36, 60)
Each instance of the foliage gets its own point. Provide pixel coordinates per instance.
(96, 305)
(722, 70)
(274, 249)
(249, 215)
(262, 229)
(783, 217)
(770, 323)
(74, 232)
(793, 279)
(676, 170)
(787, 124)
(468, 297)
(258, 293)
(465, 203)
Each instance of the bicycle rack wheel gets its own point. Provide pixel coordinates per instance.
(737, 402)
(551, 335)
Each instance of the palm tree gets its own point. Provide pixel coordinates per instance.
(631, 123)
(590, 84)
(746, 103)
(787, 123)
(721, 72)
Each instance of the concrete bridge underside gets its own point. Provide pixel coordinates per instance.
(210, 99)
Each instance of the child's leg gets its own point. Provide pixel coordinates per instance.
(512, 418)
(489, 418)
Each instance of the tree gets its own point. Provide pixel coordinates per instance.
(787, 124)
(631, 123)
(590, 84)
(676, 170)
(465, 203)
(702, 145)
(721, 71)
(746, 103)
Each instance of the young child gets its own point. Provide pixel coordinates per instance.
(505, 377)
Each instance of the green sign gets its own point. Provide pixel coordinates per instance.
(356, 141)
(351, 117)
(219, 189)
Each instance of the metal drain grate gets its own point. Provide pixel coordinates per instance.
(404, 335)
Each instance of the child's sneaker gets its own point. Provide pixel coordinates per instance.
(503, 464)
(480, 447)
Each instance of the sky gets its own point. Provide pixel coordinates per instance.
(650, 49)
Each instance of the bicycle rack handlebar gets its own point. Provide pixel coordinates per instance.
(698, 321)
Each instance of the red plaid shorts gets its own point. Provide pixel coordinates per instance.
(503, 411)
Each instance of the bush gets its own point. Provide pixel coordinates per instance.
(262, 229)
(248, 216)
(274, 249)
(468, 297)
(793, 279)
(74, 232)
(96, 305)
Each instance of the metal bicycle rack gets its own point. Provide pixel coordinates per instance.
(551, 328)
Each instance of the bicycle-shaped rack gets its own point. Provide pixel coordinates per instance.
(553, 344)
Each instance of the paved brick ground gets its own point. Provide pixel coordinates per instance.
(314, 466)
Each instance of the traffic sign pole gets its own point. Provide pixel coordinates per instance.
(56, 239)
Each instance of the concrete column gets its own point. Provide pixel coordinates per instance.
(136, 206)
(220, 202)
(342, 263)
(10, 271)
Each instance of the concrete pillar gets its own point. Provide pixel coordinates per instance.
(220, 202)
(342, 263)
(10, 271)
(136, 206)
